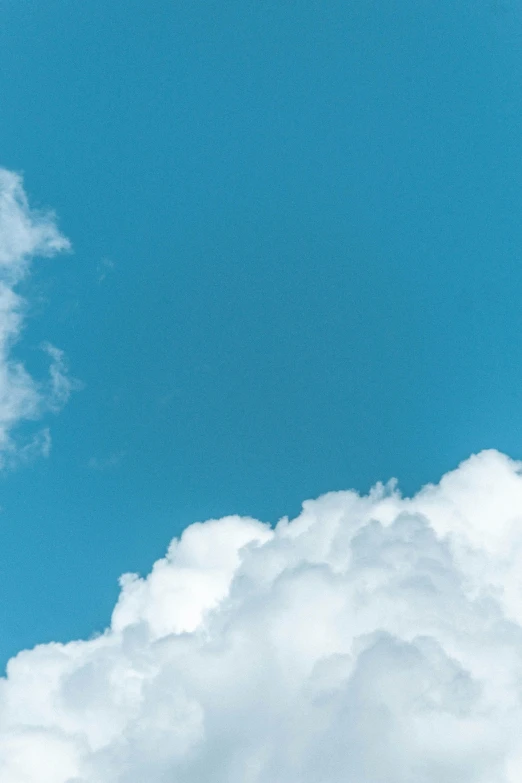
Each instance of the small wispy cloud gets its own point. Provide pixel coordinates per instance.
(61, 383)
(24, 234)
(108, 462)
(105, 266)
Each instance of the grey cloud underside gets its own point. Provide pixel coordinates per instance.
(372, 640)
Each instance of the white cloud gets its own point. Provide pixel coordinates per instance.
(373, 639)
(24, 234)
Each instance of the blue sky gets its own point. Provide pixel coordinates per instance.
(296, 267)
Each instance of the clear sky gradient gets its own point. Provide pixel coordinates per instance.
(297, 267)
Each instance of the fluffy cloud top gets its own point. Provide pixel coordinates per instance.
(24, 233)
(373, 639)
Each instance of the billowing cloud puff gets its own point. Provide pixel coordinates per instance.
(24, 233)
(373, 639)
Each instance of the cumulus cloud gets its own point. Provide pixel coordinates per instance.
(24, 234)
(373, 639)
